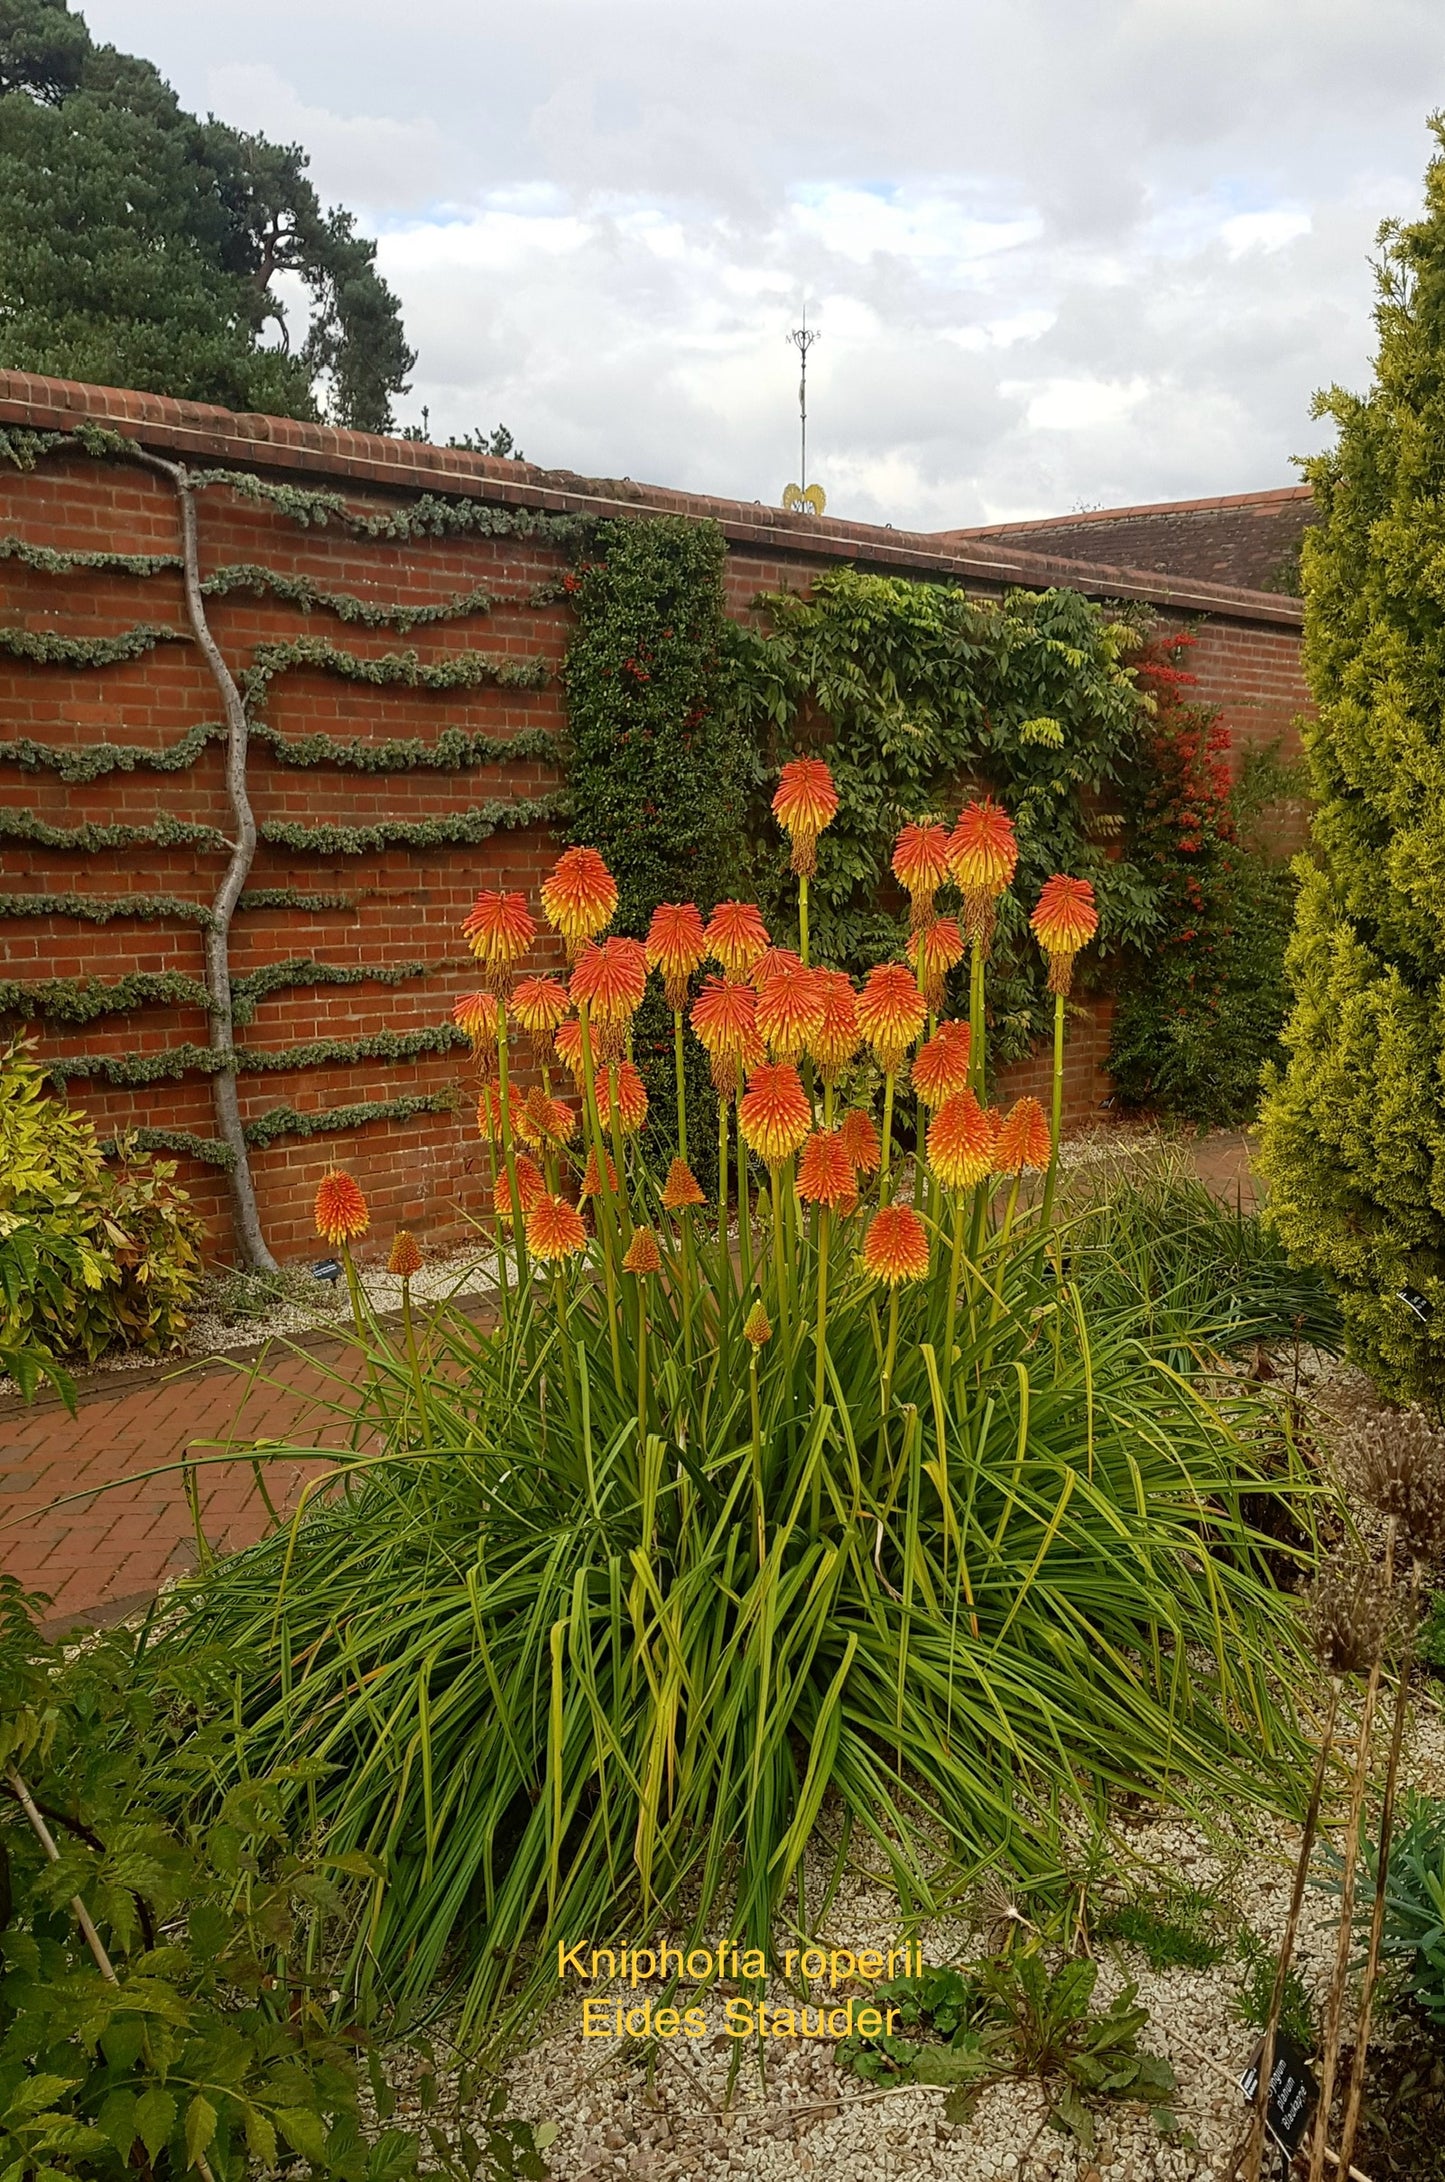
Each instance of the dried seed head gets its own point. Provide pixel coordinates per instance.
(1348, 1611)
(1399, 1468)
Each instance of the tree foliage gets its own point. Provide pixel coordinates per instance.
(1354, 1142)
(140, 246)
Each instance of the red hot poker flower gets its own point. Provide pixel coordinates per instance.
(825, 1172)
(546, 1120)
(341, 1213)
(591, 1177)
(1023, 1139)
(941, 1067)
(611, 980)
(791, 1005)
(774, 1114)
(489, 1112)
(805, 804)
(983, 855)
(406, 1257)
(895, 1247)
(920, 863)
(769, 962)
(580, 897)
(643, 1255)
(891, 1012)
(724, 1018)
(961, 1142)
(676, 945)
(1064, 921)
(934, 949)
(539, 1004)
(681, 1189)
(837, 1037)
(567, 1045)
(531, 1187)
(736, 935)
(631, 1098)
(756, 1330)
(499, 930)
(555, 1230)
(478, 1015)
(859, 1139)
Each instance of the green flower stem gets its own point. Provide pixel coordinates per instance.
(509, 1151)
(681, 1076)
(803, 915)
(604, 1189)
(1056, 1125)
(890, 1354)
(820, 1371)
(884, 1192)
(642, 1373)
(619, 1153)
(759, 1525)
(954, 1263)
(409, 1332)
(498, 1225)
(780, 1275)
(976, 1050)
(745, 1215)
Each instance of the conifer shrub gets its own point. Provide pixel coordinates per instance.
(1354, 1126)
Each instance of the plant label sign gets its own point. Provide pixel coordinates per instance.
(1414, 1301)
(1293, 2093)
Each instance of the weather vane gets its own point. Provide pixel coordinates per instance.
(797, 498)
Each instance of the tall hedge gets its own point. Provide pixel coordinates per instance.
(1354, 1128)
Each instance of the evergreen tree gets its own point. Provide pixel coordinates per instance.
(139, 245)
(1354, 1129)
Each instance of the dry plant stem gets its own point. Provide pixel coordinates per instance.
(1339, 1983)
(1355, 2095)
(46, 1839)
(1255, 2148)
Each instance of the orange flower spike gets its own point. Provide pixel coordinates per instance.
(580, 897)
(539, 1005)
(736, 935)
(895, 1247)
(791, 1006)
(676, 944)
(1023, 1139)
(724, 1021)
(941, 1067)
(478, 1014)
(805, 805)
(770, 962)
(531, 1187)
(891, 1012)
(859, 1139)
(961, 1142)
(983, 854)
(825, 1172)
(1064, 921)
(406, 1257)
(591, 1179)
(774, 1113)
(631, 1098)
(837, 1037)
(555, 1230)
(643, 1255)
(935, 949)
(489, 1112)
(920, 864)
(499, 930)
(611, 980)
(567, 1045)
(341, 1213)
(681, 1189)
(756, 1330)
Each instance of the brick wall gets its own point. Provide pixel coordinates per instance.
(404, 905)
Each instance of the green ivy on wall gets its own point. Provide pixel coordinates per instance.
(186, 1060)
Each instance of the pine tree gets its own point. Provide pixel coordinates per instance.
(1354, 1127)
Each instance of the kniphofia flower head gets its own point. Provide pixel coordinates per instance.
(545, 1120)
(567, 1045)
(676, 945)
(478, 1014)
(891, 1012)
(756, 1330)
(825, 1172)
(643, 1255)
(920, 863)
(631, 1097)
(681, 1189)
(489, 1112)
(555, 1229)
(611, 980)
(580, 897)
(934, 949)
(736, 935)
(806, 803)
(531, 1187)
(859, 1139)
(791, 1004)
(1064, 920)
(591, 1178)
(406, 1257)
(837, 1037)
(1023, 1139)
(961, 1142)
(895, 1247)
(941, 1067)
(499, 930)
(774, 1113)
(341, 1213)
(983, 855)
(725, 1021)
(539, 1004)
(771, 960)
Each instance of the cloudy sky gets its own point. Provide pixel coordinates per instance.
(1061, 253)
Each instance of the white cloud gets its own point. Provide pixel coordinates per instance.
(1076, 405)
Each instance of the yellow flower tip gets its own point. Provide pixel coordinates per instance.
(580, 896)
(805, 804)
(941, 1067)
(643, 1255)
(406, 1257)
(791, 1007)
(631, 1098)
(341, 1213)
(676, 944)
(895, 1248)
(891, 1012)
(825, 1172)
(736, 935)
(774, 1113)
(1064, 920)
(756, 1330)
(681, 1188)
(610, 981)
(860, 1141)
(1023, 1139)
(555, 1229)
(961, 1142)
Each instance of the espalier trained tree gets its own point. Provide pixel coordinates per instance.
(1354, 1128)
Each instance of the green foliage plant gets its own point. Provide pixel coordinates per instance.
(699, 1542)
(92, 1254)
(1413, 1936)
(1353, 1142)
